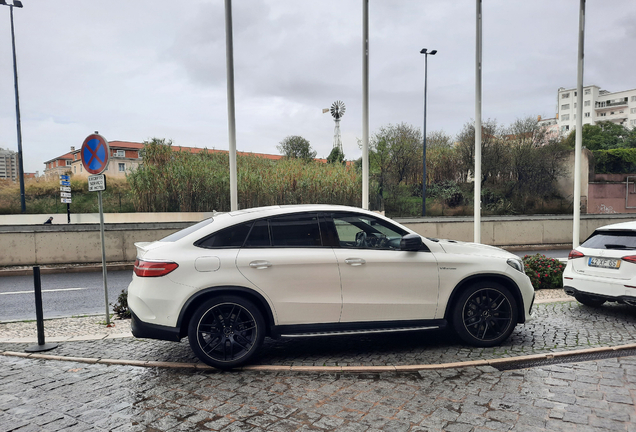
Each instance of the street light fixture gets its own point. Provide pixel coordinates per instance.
(17, 4)
(426, 54)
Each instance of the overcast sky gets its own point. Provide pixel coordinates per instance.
(134, 70)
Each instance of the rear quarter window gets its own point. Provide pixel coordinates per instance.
(187, 231)
(231, 237)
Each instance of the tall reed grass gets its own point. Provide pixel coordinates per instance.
(43, 197)
(173, 180)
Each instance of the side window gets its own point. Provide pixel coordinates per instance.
(232, 237)
(259, 236)
(367, 232)
(300, 230)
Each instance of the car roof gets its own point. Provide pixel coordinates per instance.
(258, 212)
(224, 220)
(623, 226)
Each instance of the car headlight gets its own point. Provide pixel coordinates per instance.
(516, 264)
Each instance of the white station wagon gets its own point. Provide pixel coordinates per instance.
(318, 270)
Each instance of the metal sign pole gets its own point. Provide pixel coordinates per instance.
(39, 314)
(101, 230)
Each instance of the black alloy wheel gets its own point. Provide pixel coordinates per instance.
(485, 314)
(225, 332)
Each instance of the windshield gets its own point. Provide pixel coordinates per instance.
(611, 240)
(184, 232)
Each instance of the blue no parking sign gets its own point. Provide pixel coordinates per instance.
(95, 153)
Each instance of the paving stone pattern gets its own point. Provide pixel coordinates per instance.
(39, 395)
(555, 327)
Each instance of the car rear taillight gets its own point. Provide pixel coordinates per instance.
(575, 254)
(153, 268)
(631, 259)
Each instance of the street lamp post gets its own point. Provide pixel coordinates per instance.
(426, 54)
(17, 4)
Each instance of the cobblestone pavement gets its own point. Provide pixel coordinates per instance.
(39, 395)
(555, 327)
(74, 327)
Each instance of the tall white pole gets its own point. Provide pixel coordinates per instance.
(231, 118)
(477, 198)
(578, 142)
(365, 104)
(424, 138)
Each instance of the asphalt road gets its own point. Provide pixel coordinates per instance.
(62, 294)
(82, 293)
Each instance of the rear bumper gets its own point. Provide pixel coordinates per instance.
(625, 299)
(145, 330)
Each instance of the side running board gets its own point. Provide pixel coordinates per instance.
(366, 331)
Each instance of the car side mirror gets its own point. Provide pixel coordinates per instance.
(411, 243)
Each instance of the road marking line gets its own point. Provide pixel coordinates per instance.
(51, 290)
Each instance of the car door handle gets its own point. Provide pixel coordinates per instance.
(260, 264)
(355, 261)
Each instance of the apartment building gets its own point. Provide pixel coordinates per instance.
(598, 105)
(124, 157)
(8, 165)
(58, 166)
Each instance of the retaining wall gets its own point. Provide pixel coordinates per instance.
(80, 243)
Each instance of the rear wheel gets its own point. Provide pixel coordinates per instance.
(226, 331)
(485, 314)
(589, 300)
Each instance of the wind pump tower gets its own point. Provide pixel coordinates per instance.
(337, 111)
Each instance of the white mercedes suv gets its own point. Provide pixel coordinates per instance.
(603, 268)
(318, 270)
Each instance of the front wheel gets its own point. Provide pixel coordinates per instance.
(588, 300)
(226, 331)
(485, 314)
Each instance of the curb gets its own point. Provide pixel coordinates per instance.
(325, 369)
(537, 247)
(72, 269)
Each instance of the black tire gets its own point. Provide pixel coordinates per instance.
(485, 314)
(226, 331)
(589, 300)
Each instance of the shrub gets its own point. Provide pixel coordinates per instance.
(615, 161)
(544, 272)
(448, 192)
(121, 307)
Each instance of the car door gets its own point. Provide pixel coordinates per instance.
(285, 258)
(379, 281)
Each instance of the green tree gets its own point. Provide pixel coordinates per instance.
(336, 156)
(494, 155)
(536, 159)
(442, 158)
(604, 136)
(395, 155)
(296, 147)
(439, 139)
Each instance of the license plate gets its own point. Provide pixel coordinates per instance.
(608, 263)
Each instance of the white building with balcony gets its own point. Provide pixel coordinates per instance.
(598, 105)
